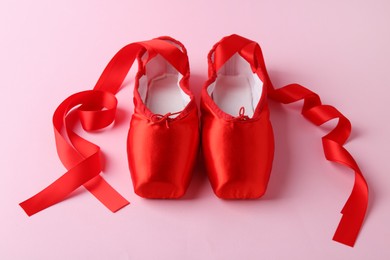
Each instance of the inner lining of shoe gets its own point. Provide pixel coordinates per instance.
(236, 86)
(159, 88)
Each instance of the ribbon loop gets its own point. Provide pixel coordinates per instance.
(100, 113)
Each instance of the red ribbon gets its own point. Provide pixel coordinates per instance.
(355, 208)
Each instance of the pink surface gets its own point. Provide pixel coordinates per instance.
(339, 49)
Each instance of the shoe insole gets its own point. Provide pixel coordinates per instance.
(164, 95)
(233, 92)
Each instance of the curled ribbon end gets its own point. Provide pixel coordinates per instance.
(26, 210)
(344, 241)
(119, 207)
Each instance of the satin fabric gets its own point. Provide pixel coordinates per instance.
(238, 154)
(96, 109)
(162, 155)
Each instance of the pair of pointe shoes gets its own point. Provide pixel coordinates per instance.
(234, 131)
(236, 135)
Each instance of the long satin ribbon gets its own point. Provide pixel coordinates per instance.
(355, 208)
(95, 109)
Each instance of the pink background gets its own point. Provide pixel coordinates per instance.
(339, 49)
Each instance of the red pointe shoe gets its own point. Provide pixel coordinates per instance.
(237, 139)
(163, 138)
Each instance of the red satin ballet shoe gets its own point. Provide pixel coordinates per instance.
(163, 138)
(237, 139)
